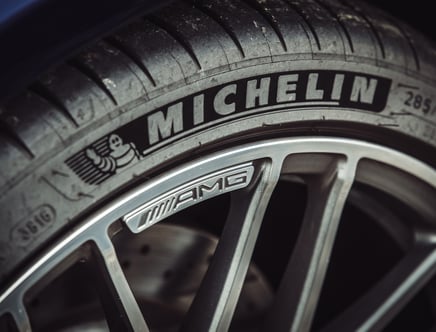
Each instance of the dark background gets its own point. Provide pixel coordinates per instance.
(420, 14)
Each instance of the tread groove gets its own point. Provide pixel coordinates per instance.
(128, 52)
(409, 42)
(336, 17)
(306, 20)
(216, 18)
(370, 25)
(172, 31)
(269, 18)
(43, 92)
(88, 72)
(15, 140)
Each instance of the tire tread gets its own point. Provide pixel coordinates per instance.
(231, 22)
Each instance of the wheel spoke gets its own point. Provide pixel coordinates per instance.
(122, 310)
(21, 319)
(215, 302)
(298, 293)
(376, 308)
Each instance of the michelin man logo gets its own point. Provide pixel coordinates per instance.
(121, 154)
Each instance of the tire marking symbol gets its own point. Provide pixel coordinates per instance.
(103, 159)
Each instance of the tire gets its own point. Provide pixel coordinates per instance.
(195, 79)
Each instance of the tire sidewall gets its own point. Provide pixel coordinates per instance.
(52, 190)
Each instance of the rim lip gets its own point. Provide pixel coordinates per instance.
(100, 221)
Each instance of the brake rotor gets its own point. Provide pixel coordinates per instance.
(164, 267)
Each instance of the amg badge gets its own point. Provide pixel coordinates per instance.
(189, 194)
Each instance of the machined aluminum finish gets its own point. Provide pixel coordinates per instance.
(250, 172)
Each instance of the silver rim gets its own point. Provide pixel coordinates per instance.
(250, 173)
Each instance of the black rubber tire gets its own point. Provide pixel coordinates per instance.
(143, 82)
